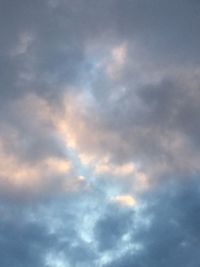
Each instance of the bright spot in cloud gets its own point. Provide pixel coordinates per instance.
(81, 178)
(117, 61)
(125, 200)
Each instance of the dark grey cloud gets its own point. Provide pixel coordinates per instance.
(163, 127)
(44, 49)
(169, 30)
(55, 52)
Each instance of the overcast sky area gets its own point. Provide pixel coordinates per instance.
(99, 133)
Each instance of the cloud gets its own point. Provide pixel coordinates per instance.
(99, 139)
(170, 237)
(123, 170)
(124, 200)
(118, 58)
(111, 228)
(35, 234)
(32, 156)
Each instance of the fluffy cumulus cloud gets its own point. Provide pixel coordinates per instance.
(99, 133)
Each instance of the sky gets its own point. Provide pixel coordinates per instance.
(99, 133)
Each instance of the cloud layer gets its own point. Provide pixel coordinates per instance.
(99, 133)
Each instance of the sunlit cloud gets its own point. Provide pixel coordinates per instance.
(117, 61)
(119, 170)
(31, 175)
(125, 200)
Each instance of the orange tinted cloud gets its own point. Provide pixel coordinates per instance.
(125, 200)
